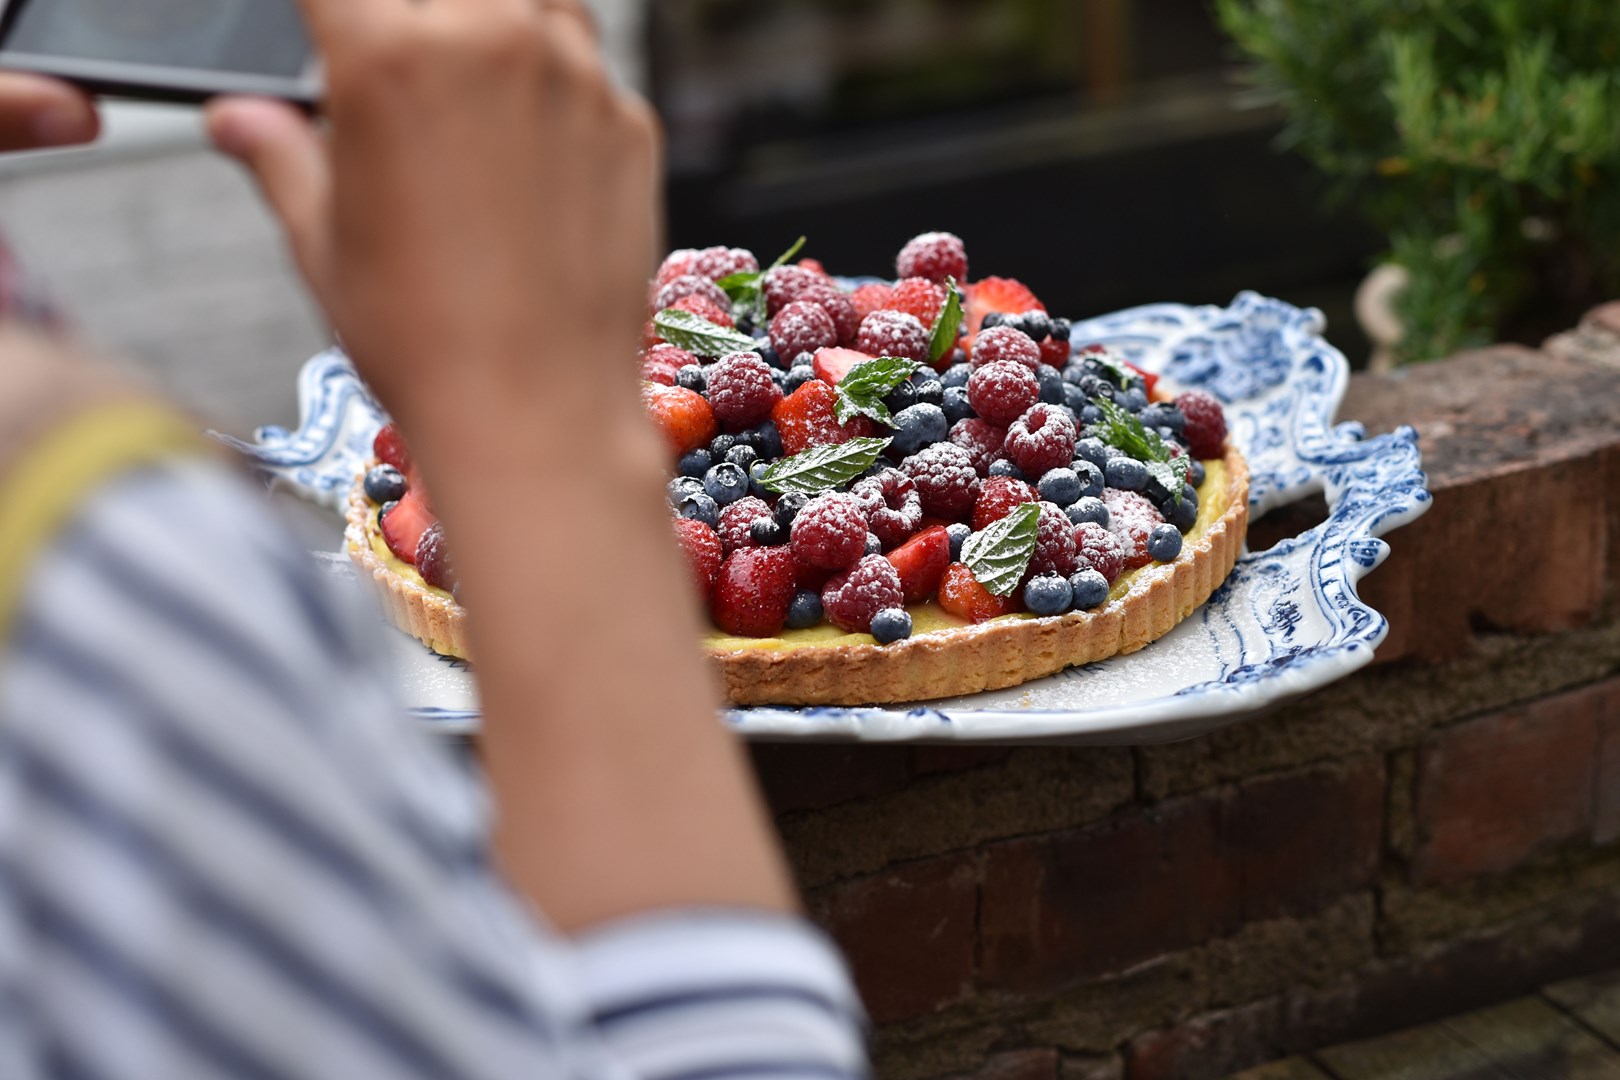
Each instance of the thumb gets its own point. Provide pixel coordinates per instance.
(287, 158)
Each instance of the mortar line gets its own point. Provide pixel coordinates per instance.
(1576, 1019)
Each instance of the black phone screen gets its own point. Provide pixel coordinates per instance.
(256, 37)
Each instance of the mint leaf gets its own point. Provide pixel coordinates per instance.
(999, 554)
(742, 287)
(1171, 474)
(862, 389)
(1120, 375)
(698, 335)
(1126, 431)
(822, 468)
(949, 323)
(788, 255)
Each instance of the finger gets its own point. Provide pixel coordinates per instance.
(334, 24)
(287, 158)
(574, 29)
(36, 113)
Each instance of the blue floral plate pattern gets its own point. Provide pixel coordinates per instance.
(1286, 622)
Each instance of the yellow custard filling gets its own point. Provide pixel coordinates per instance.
(1213, 500)
(1214, 497)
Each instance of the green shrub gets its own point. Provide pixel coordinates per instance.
(1482, 136)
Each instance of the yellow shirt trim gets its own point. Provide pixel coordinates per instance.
(39, 495)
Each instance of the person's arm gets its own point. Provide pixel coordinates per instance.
(479, 221)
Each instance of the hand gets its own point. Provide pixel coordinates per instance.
(37, 113)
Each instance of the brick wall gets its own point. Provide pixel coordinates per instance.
(1436, 833)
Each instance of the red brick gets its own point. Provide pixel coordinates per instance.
(908, 934)
(1208, 1046)
(1495, 790)
(1606, 809)
(811, 777)
(1161, 878)
(1036, 1064)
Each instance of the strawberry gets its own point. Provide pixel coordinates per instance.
(404, 523)
(961, 594)
(682, 415)
(921, 563)
(805, 418)
(703, 552)
(1006, 295)
(1149, 379)
(755, 588)
(875, 296)
(390, 448)
(659, 371)
(831, 365)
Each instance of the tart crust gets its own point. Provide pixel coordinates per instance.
(963, 660)
(1003, 652)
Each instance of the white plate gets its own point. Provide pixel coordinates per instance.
(1287, 621)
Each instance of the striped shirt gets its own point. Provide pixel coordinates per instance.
(224, 852)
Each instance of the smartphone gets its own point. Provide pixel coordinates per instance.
(166, 50)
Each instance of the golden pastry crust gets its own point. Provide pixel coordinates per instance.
(1000, 653)
(425, 613)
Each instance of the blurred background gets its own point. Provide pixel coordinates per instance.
(1106, 152)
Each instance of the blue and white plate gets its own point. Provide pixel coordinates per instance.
(1287, 621)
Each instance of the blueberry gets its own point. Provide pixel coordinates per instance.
(767, 440)
(756, 477)
(1006, 468)
(1195, 473)
(902, 397)
(1048, 594)
(780, 378)
(1134, 400)
(726, 483)
(1060, 486)
(384, 483)
(874, 546)
(1126, 474)
(1160, 415)
(1156, 491)
(797, 378)
(691, 377)
(956, 375)
(1051, 383)
(958, 532)
(804, 360)
(721, 445)
(682, 486)
(1090, 414)
(1088, 508)
(1060, 329)
(695, 463)
(699, 507)
(1075, 399)
(956, 405)
(917, 427)
(1182, 514)
(805, 610)
(992, 320)
(1036, 324)
(1090, 590)
(1090, 476)
(768, 354)
(1093, 384)
(1164, 542)
(743, 455)
(765, 532)
(386, 508)
(788, 507)
(930, 391)
(891, 625)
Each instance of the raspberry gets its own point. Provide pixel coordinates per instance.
(1131, 518)
(754, 591)
(690, 285)
(830, 532)
(981, 439)
(1206, 424)
(741, 390)
(893, 333)
(676, 264)
(961, 594)
(783, 285)
(835, 302)
(704, 308)
(813, 264)
(935, 256)
(718, 262)
(892, 506)
(1002, 392)
(704, 552)
(433, 558)
(945, 480)
(1005, 343)
(1055, 353)
(1099, 550)
(919, 298)
(851, 599)
(802, 327)
(673, 355)
(736, 519)
(805, 418)
(873, 297)
(1042, 439)
(658, 371)
(1055, 549)
(998, 497)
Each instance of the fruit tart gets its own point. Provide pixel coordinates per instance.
(891, 492)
